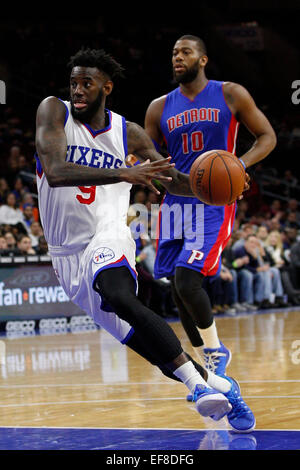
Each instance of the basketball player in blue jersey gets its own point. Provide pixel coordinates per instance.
(81, 171)
(200, 115)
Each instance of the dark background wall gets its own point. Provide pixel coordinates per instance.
(35, 50)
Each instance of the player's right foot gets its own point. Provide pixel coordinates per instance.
(210, 402)
(240, 418)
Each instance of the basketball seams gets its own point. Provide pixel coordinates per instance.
(229, 176)
(195, 174)
(210, 173)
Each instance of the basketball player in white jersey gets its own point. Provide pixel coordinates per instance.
(83, 186)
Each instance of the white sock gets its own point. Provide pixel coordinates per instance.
(210, 336)
(189, 375)
(217, 382)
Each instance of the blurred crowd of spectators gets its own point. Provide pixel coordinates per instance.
(21, 232)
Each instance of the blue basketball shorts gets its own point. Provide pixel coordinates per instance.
(191, 234)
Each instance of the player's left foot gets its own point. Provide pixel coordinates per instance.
(216, 360)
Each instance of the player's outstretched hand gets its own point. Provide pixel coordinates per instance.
(144, 174)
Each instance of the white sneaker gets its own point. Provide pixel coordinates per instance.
(249, 307)
(239, 307)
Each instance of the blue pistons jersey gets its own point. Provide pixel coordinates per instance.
(191, 233)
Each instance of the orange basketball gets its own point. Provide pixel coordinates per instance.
(217, 177)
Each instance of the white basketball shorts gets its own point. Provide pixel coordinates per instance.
(76, 273)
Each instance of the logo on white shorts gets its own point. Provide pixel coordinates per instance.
(102, 255)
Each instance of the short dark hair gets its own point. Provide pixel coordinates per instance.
(201, 45)
(97, 58)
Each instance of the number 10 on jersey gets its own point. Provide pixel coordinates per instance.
(192, 142)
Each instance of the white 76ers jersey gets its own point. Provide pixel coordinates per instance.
(72, 215)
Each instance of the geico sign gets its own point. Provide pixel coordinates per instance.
(81, 320)
(24, 325)
(49, 323)
(32, 295)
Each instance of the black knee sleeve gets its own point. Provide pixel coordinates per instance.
(186, 319)
(117, 287)
(188, 285)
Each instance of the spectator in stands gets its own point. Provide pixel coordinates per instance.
(237, 264)
(295, 264)
(35, 232)
(9, 212)
(276, 208)
(28, 218)
(10, 240)
(289, 236)
(19, 189)
(42, 247)
(243, 233)
(11, 245)
(254, 282)
(274, 247)
(273, 282)
(262, 234)
(24, 246)
(12, 165)
(293, 206)
(291, 220)
(230, 282)
(3, 244)
(28, 199)
(223, 292)
(23, 165)
(4, 190)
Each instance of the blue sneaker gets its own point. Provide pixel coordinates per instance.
(240, 418)
(210, 402)
(216, 360)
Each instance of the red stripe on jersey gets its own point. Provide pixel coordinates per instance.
(39, 173)
(232, 134)
(211, 264)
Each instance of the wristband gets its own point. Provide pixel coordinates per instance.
(137, 259)
(243, 163)
(234, 264)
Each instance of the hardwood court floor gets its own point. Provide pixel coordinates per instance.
(87, 380)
